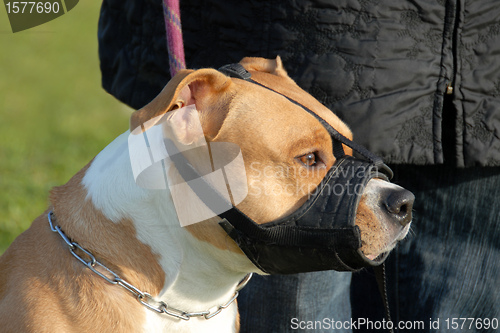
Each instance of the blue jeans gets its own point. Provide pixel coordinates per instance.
(449, 267)
(291, 303)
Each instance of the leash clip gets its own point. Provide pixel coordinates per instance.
(235, 70)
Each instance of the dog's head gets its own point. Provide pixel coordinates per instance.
(287, 152)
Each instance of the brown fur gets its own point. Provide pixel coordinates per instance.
(373, 233)
(209, 231)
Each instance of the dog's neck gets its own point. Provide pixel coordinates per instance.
(196, 275)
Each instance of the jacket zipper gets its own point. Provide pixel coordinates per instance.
(454, 49)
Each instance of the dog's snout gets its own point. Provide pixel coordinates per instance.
(400, 204)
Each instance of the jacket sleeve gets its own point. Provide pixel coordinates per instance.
(132, 50)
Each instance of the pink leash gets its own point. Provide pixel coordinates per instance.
(175, 45)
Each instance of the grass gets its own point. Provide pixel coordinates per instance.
(54, 114)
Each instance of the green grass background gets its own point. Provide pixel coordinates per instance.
(54, 114)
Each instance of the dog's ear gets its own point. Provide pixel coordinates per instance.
(272, 66)
(205, 88)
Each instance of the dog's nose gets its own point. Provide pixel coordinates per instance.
(399, 203)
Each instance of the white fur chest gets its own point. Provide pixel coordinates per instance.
(198, 276)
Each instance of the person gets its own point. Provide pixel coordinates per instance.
(417, 81)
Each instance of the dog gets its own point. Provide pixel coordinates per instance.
(138, 260)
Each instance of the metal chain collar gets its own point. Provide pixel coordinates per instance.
(142, 297)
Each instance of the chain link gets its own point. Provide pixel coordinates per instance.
(144, 298)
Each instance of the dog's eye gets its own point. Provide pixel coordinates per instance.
(309, 160)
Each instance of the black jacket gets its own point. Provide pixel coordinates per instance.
(383, 66)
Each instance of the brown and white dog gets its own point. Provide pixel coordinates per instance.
(135, 233)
